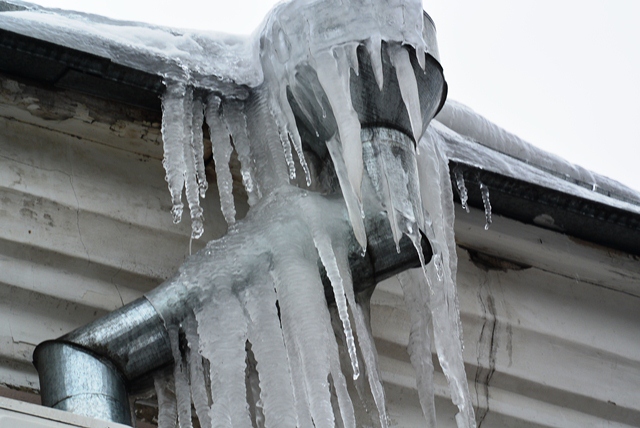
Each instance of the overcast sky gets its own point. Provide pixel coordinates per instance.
(562, 74)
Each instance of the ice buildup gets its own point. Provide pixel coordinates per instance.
(332, 136)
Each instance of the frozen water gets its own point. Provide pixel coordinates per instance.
(262, 322)
(462, 189)
(260, 343)
(236, 121)
(437, 199)
(167, 406)
(173, 139)
(408, 86)
(418, 305)
(181, 379)
(484, 190)
(222, 150)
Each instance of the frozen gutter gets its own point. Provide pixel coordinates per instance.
(569, 198)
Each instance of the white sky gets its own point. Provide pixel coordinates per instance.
(561, 74)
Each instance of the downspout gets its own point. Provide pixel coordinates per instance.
(92, 370)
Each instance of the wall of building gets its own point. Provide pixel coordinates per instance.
(551, 324)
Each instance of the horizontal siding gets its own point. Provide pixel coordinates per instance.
(84, 216)
(551, 324)
(543, 346)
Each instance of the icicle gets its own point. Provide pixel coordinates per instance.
(354, 208)
(196, 373)
(286, 147)
(236, 121)
(487, 205)
(462, 189)
(289, 130)
(222, 150)
(394, 177)
(222, 328)
(265, 335)
(365, 337)
(394, 221)
(344, 404)
(370, 356)
(437, 199)
(303, 323)
(183, 394)
(198, 145)
(374, 48)
(192, 188)
(413, 24)
(351, 51)
(256, 407)
(408, 86)
(419, 347)
(336, 87)
(276, 73)
(173, 143)
(167, 413)
(328, 258)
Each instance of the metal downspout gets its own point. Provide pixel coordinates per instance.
(91, 370)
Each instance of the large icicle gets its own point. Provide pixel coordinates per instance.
(198, 145)
(268, 349)
(181, 380)
(437, 198)
(364, 336)
(374, 48)
(303, 323)
(222, 150)
(182, 153)
(328, 258)
(192, 188)
(222, 327)
(199, 392)
(417, 300)
(173, 138)
(354, 207)
(236, 121)
(408, 86)
(167, 412)
(336, 87)
(394, 177)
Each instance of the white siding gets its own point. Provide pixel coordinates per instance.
(85, 228)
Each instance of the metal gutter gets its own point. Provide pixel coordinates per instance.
(66, 68)
(552, 209)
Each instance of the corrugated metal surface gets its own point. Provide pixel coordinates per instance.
(552, 325)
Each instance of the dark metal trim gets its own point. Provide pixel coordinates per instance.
(551, 209)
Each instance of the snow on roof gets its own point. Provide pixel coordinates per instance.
(169, 52)
(473, 139)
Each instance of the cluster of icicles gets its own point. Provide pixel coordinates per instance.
(258, 346)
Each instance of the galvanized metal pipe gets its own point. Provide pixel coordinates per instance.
(98, 363)
(79, 381)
